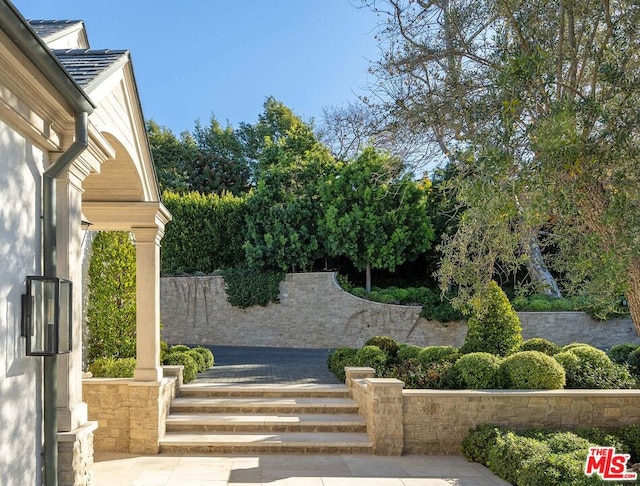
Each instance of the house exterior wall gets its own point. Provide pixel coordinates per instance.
(20, 255)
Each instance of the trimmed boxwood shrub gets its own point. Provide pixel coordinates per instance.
(437, 354)
(633, 361)
(386, 343)
(542, 345)
(556, 469)
(411, 372)
(207, 354)
(590, 368)
(531, 370)
(479, 441)
(181, 358)
(179, 348)
(630, 436)
(493, 326)
(620, 353)
(340, 358)
(113, 367)
(478, 370)
(510, 452)
(199, 359)
(409, 351)
(371, 356)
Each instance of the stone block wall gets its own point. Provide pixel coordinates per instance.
(131, 415)
(314, 312)
(436, 421)
(75, 455)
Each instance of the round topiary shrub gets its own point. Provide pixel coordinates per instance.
(568, 347)
(620, 353)
(181, 358)
(207, 354)
(538, 344)
(478, 370)
(386, 343)
(438, 355)
(199, 359)
(179, 348)
(479, 441)
(372, 357)
(531, 370)
(493, 325)
(339, 359)
(633, 360)
(409, 351)
(590, 368)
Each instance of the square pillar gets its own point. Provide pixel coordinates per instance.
(384, 425)
(148, 303)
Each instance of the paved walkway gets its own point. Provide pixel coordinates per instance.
(287, 366)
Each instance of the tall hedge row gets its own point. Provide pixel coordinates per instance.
(206, 234)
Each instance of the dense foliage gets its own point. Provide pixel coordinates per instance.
(545, 457)
(206, 233)
(246, 286)
(111, 312)
(375, 215)
(494, 327)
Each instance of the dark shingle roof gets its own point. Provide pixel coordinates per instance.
(49, 28)
(86, 65)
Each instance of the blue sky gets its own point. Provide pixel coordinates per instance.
(197, 58)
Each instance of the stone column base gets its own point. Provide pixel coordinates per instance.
(75, 455)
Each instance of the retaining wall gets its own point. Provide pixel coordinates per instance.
(314, 312)
(436, 421)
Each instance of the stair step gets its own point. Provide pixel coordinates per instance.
(252, 443)
(214, 390)
(219, 422)
(264, 405)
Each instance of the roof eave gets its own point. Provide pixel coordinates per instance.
(21, 33)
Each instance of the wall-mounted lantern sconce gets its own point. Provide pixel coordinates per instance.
(46, 316)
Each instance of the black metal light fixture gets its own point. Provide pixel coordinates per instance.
(46, 316)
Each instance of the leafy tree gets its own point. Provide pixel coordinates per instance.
(374, 215)
(538, 103)
(172, 157)
(284, 208)
(111, 313)
(221, 164)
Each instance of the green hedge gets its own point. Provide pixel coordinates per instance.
(207, 233)
(246, 287)
(111, 313)
(113, 367)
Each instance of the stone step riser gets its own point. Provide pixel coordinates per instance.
(196, 393)
(239, 409)
(264, 449)
(265, 428)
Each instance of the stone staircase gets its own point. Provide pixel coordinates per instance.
(256, 419)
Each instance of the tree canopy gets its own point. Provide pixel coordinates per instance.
(537, 104)
(375, 215)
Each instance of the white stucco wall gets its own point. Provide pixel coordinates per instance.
(20, 377)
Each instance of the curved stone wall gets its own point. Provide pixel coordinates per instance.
(314, 312)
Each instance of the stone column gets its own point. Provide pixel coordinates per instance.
(148, 303)
(72, 412)
(384, 424)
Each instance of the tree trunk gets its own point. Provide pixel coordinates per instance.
(633, 296)
(367, 287)
(538, 271)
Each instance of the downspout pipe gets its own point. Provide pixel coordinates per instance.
(49, 241)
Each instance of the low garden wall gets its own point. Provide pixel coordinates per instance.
(436, 421)
(314, 312)
(131, 415)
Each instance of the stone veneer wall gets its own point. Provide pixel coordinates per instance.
(436, 421)
(75, 455)
(314, 312)
(131, 415)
